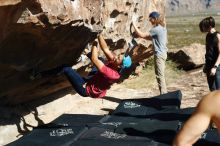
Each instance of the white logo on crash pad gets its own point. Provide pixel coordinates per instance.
(112, 135)
(116, 124)
(131, 104)
(61, 132)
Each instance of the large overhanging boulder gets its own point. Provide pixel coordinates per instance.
(38, 35)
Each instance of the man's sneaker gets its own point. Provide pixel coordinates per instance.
(132, 44)
(79, 59)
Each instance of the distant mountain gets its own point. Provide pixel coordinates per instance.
(184, 7)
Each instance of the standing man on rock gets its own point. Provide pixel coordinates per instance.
(158, 35)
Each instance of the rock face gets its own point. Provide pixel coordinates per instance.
(38, 35)
(189, 57)
(184, 7)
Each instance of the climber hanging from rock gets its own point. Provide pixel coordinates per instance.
(103, 75)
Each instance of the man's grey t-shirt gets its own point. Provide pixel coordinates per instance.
(159, 38)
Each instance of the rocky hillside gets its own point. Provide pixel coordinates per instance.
(184, 7)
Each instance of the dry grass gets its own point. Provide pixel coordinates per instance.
(184, 30)
(147, 78)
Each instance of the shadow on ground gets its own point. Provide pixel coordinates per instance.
(15, 114)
